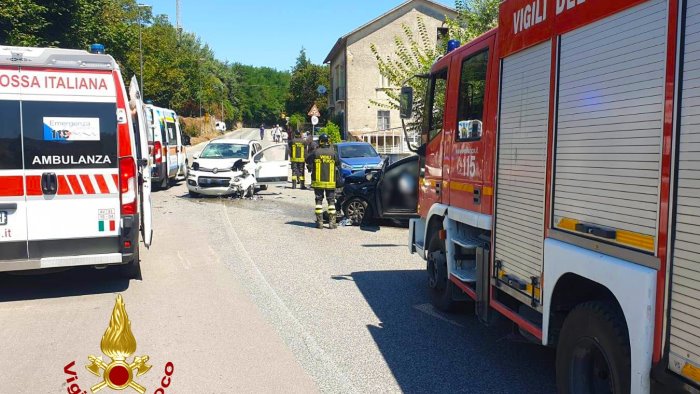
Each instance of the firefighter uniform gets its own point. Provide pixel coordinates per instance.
(323, 162)
(299, 151)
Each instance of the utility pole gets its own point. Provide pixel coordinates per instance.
(141, 87)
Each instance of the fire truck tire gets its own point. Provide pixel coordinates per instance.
(132, 269)
(439, 285)
(593, 354)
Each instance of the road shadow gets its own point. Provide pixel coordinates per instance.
(301, 224)
(429, 351)
(381, 245)
(66, 283)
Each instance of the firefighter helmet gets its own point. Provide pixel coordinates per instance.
(323, 140)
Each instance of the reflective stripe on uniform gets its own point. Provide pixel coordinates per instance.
(298, 152)
(319, 208)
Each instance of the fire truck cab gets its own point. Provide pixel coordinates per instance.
(74, 173)
(560, 186)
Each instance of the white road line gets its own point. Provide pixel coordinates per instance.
(323, 360)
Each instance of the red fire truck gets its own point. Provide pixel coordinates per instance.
(560, 186)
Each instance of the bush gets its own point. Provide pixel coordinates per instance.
(333, 132)
(296, 121)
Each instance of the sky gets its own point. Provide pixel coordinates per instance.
(272, 32)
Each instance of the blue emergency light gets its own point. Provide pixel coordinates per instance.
(452, 45)
(97, 49)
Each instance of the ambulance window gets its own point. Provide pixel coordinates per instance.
(69, 135)
(171, 133)
(436, 103)
(10, 136)
(472, 86)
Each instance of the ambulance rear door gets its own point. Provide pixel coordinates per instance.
(13, 229)
(141, 130)
(69, 129)
(171, 137)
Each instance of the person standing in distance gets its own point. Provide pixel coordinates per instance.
(262, 132)
(299, 151)
(324, 171)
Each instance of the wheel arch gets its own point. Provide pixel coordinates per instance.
(435, 221)
(631, 286)
(571, 290)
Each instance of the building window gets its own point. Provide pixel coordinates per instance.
(384, 82)
(383, 120)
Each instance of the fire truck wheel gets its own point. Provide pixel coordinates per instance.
(132, 269)
(593, 354)
(441, 289)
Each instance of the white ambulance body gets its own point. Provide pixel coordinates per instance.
(70, 157)
(169, 157)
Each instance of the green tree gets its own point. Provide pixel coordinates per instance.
(333, 132)
(412, 56)
(296, 121)
(474, 17)
(303, 87)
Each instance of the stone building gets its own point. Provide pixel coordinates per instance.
(355, 77)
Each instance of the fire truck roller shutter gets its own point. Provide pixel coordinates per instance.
(684, 318)
(522, 156)
(609, 127)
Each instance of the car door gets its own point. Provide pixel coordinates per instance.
(272, 165)
(397, 190)
(141, 131)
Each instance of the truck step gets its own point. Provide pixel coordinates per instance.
(467, 243)
(466, 274)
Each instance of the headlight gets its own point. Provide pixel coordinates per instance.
(345, 166)
(195, 166)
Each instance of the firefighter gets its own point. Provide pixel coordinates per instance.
(324, 171)
(299, 150)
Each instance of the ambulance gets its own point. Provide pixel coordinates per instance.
(74, 175)
(167, 146)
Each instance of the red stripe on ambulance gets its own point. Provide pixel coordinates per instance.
(11, 186)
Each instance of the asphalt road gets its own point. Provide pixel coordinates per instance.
(247, 296)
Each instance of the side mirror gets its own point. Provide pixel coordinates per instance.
(186, 140)
(195, 157)
(406, 102)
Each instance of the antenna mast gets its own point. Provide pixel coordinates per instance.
(178, 17)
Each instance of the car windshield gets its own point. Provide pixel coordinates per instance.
(352, 151)
(225, 151)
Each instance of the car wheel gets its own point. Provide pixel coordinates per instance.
(356, 209)
(441, 288)
(263, 187)
(593, 353)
